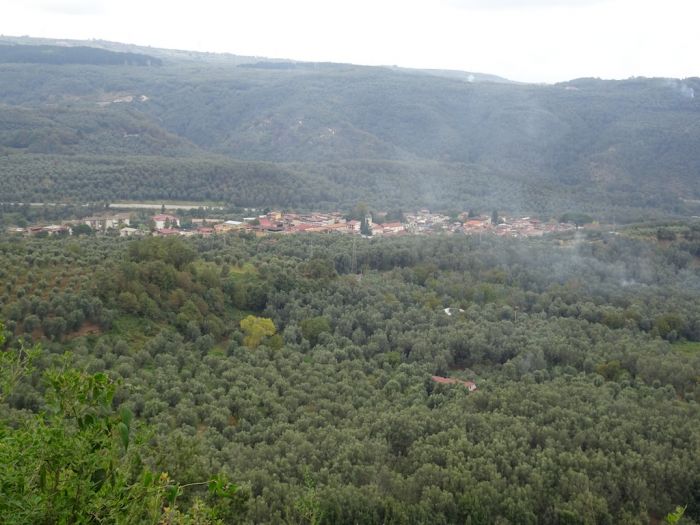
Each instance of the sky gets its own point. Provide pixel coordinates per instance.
(524, 40)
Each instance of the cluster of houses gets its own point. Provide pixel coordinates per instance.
(51, 229)
(420, 222)
(425, 222)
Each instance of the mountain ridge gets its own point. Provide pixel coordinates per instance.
(630, 144)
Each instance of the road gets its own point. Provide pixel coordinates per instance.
(123, 205)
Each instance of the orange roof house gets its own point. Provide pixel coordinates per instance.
(471, 386)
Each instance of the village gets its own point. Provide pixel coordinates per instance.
(128, 224)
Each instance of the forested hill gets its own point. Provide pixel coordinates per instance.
(72, 55)
(476, 140)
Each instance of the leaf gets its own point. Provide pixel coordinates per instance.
(147, 478)
(42, 476)
(675, 516)
(98, 478)
(171, 494)
(87, 421)
(126, 416)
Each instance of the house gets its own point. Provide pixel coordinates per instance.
(354, 226)
(162, 220)
(265, 223)
(310, 228)
(268, 225)
(53, 229)
(392, 227)
(228, 226)
(205, 221)
(337, 227)
(107, 222)
(57, 229)
(130, 232)
(470, 385)
(166, 232)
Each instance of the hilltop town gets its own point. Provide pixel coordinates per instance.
(277, 222)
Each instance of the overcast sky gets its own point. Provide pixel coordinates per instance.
(527, 40)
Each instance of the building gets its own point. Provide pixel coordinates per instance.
(205, 231)
(108, 222)
(164, 220)
(229, 226)
(353, 226)
(57, 229)
(392, 227)
(166, 232)
(130, 232)
(470, 385)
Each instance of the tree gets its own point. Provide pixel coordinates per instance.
(665, 234)
(359, 212)
(82, 229)
(313, 327)
(365, 228)
(579, 219)
(255, 329)
(81, 461)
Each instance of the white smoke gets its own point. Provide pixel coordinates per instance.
(681, 88)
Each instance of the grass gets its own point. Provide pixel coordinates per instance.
(247, 268)
(132, 329)
(687, 347)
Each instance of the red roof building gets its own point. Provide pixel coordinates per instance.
(471, 386)
(164, 232)
(164, 219)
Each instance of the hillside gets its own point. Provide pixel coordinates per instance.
(585, 353)
(47, 54)
(475, 140)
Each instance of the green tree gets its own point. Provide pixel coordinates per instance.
(256, 329)
(313, 327)
(82, 229)
(80, 461)
(364, 227)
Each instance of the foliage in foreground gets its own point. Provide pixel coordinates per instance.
(80, 461)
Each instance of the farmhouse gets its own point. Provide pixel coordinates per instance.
(164, 220)
(129, 232)
(107, 222)
(166, 232)
(471, 386)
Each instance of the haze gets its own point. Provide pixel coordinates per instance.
(535, 41)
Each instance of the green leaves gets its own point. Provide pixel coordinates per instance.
(255, 329)
(675, 516)
(313, 327)
(14, 363)
(171, 494)
(123, 431)
(220, 487)
(77, 463)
